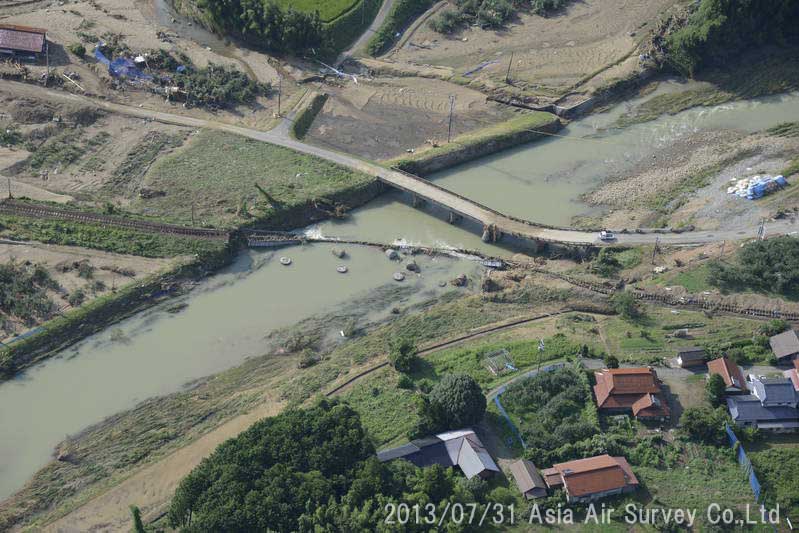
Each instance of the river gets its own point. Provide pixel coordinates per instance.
(229, 315)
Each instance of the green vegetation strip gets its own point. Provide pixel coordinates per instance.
(402, 13)
(99, 237)
(302, 123)
(328, 9)
(524, 128)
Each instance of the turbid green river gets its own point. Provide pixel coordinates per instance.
(229, 315)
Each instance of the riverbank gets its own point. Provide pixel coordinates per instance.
(527, 127)
(76, 324)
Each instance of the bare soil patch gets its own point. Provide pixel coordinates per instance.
(383, 118)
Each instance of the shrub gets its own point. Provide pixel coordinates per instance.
(624, 304)
(611, 361)
(78, 49)
(773, 327)
(402, 354)
(76, 298)
(704, 424)
(405, 382)
(401, 14)
(447, 21)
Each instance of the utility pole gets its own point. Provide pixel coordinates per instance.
(761, 231)
(655, 249)
(510, 64)
(192, 213)
(721, 253)
(363, 12)
(451, 109)
(9, 189)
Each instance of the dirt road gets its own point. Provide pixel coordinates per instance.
(152, 488)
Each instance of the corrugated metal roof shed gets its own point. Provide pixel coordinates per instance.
(22, 38)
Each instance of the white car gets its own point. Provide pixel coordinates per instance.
(605, 235)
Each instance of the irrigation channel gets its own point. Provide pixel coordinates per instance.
(229, 316)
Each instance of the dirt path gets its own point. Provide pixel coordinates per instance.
(152, 488)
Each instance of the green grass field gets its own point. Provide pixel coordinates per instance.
(328, 9)
(221, 174)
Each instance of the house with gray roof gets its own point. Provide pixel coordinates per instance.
(461, 448)
(785, 346)
(771, 407)
(528, 479)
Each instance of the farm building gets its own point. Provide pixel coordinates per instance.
(529, 481)
(461, 448)
(22, 42)
(688, 357)
(785, 345)
(631, 390)
(730, 373)
(586, 480)
(772, 407)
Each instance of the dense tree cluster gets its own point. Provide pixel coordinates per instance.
(308, 470)
(552, 410)
(489, 13)
(217, 86)
(721, 29)
(455, 402)
(267, 25)
(770, 265)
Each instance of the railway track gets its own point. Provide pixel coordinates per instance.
(11, 207)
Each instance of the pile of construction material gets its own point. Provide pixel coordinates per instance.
(756, 186)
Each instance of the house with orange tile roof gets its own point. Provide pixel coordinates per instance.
(631, 390)
(793, 375)
(587, 480)
(731, 374)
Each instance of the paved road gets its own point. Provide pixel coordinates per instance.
(421, 187)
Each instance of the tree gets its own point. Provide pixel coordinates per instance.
(457, 401)
(715, 389)
(624, 304)
(704, 424)
(611, 361)
(773, 327)
(402, 353)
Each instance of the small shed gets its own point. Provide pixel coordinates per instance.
(499, 362)
(529, 481)
(785, 345)
(22, 41)
(688, 357)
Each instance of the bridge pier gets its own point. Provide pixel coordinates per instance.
(417, 201)
(454, 217)
(491, 233)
